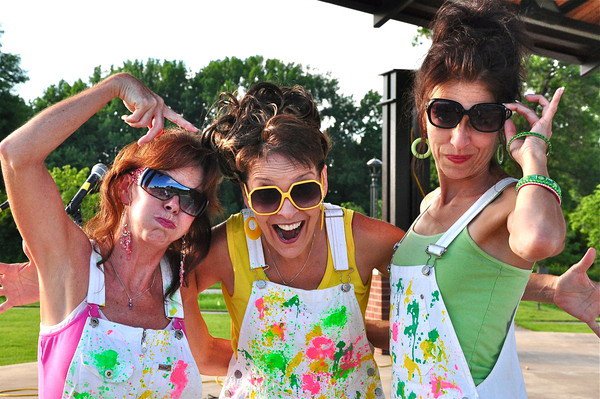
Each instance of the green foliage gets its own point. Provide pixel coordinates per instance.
(586, 217)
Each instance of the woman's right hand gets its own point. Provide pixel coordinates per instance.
(147, 108)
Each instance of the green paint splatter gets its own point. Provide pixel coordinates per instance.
(433, 335)
(294, 381)
(275, 361)
(82, 395)
(435, 295)
(338, 318)
(293, 301)
(411, 330)
(399, 286)
(106, 360)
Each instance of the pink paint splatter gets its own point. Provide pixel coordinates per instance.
(395, 332)
(260, 305)
(109, 332)
(321, 348)
(350, 360)
(179, 379)
(309, 383)
(439, 386)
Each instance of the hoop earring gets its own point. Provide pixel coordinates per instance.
(182, 262)
(500, 155)
(125, 240)
(413, 149)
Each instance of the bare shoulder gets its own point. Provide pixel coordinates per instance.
(374, 241)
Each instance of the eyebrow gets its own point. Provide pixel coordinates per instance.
(266, 180)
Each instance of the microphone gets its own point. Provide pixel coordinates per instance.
(97, 173)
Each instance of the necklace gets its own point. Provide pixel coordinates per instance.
(312, 244)
(129, 297)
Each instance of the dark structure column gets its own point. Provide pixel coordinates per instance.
(400, 191)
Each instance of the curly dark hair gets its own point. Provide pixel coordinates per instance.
(475, 41)
(173, 149)
(268, 119)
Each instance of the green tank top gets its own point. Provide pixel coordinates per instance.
(481, 294)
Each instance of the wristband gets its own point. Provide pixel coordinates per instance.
(542, 181)
(522, 135)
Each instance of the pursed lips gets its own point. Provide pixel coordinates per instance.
(166, 223)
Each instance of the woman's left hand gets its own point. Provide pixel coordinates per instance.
(532, 146)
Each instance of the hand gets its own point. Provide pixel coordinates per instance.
(19, 284)
(577, 295)
(147, 108)
(542, 125)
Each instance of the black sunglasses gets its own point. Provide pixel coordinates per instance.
(164, 187)
(484, 117)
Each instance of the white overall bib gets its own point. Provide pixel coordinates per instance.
(113, 360)
(298, 343)
(427, 358)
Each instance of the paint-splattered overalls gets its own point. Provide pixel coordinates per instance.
(427, 358)
(113, 360)
(298, 343)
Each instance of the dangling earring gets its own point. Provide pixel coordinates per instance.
(413, 149)
(125, 239)
(182, 262)
(500, 154)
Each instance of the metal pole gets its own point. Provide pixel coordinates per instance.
(374, 165)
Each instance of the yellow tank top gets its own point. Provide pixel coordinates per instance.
(244, 276)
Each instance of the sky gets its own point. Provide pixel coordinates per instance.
(66, 39)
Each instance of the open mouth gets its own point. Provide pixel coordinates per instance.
(288, 233)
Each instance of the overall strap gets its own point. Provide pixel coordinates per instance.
(336, 235)
(334, 221)
(96, 293)
(446, 239)
(173, 303)
(253, 242)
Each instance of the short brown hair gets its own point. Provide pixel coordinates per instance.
(173, 149)
(474, 41)
(269, 119)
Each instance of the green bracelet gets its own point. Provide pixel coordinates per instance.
(522, 135)
(542, 181)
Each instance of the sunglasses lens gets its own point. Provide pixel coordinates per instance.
(444, 114)
(487, 117)
(164, 187)
(265, 200)
(306, 195)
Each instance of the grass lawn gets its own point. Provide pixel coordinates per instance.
(548, 318)
(19, 326)
(211, 302)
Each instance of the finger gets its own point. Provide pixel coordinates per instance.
(179, 120)
(509, 129)
(530, 116)
(537, 98)
(586, 262)
(157, 126)
(550, 110)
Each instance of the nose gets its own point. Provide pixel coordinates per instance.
(287, 209)
(172, 204)
(461, 134)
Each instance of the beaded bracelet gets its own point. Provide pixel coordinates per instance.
(542, 181)
(522, 135)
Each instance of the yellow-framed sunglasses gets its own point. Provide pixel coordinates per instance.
(268, 200)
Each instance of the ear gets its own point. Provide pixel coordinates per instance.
(125, 189)
(324, 180)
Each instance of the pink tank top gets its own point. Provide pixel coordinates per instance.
(57, 344)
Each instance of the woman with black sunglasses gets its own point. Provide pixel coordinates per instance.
(460, 271)
(111, 309)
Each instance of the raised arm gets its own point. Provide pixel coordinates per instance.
(536, 225)
(57, 246)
